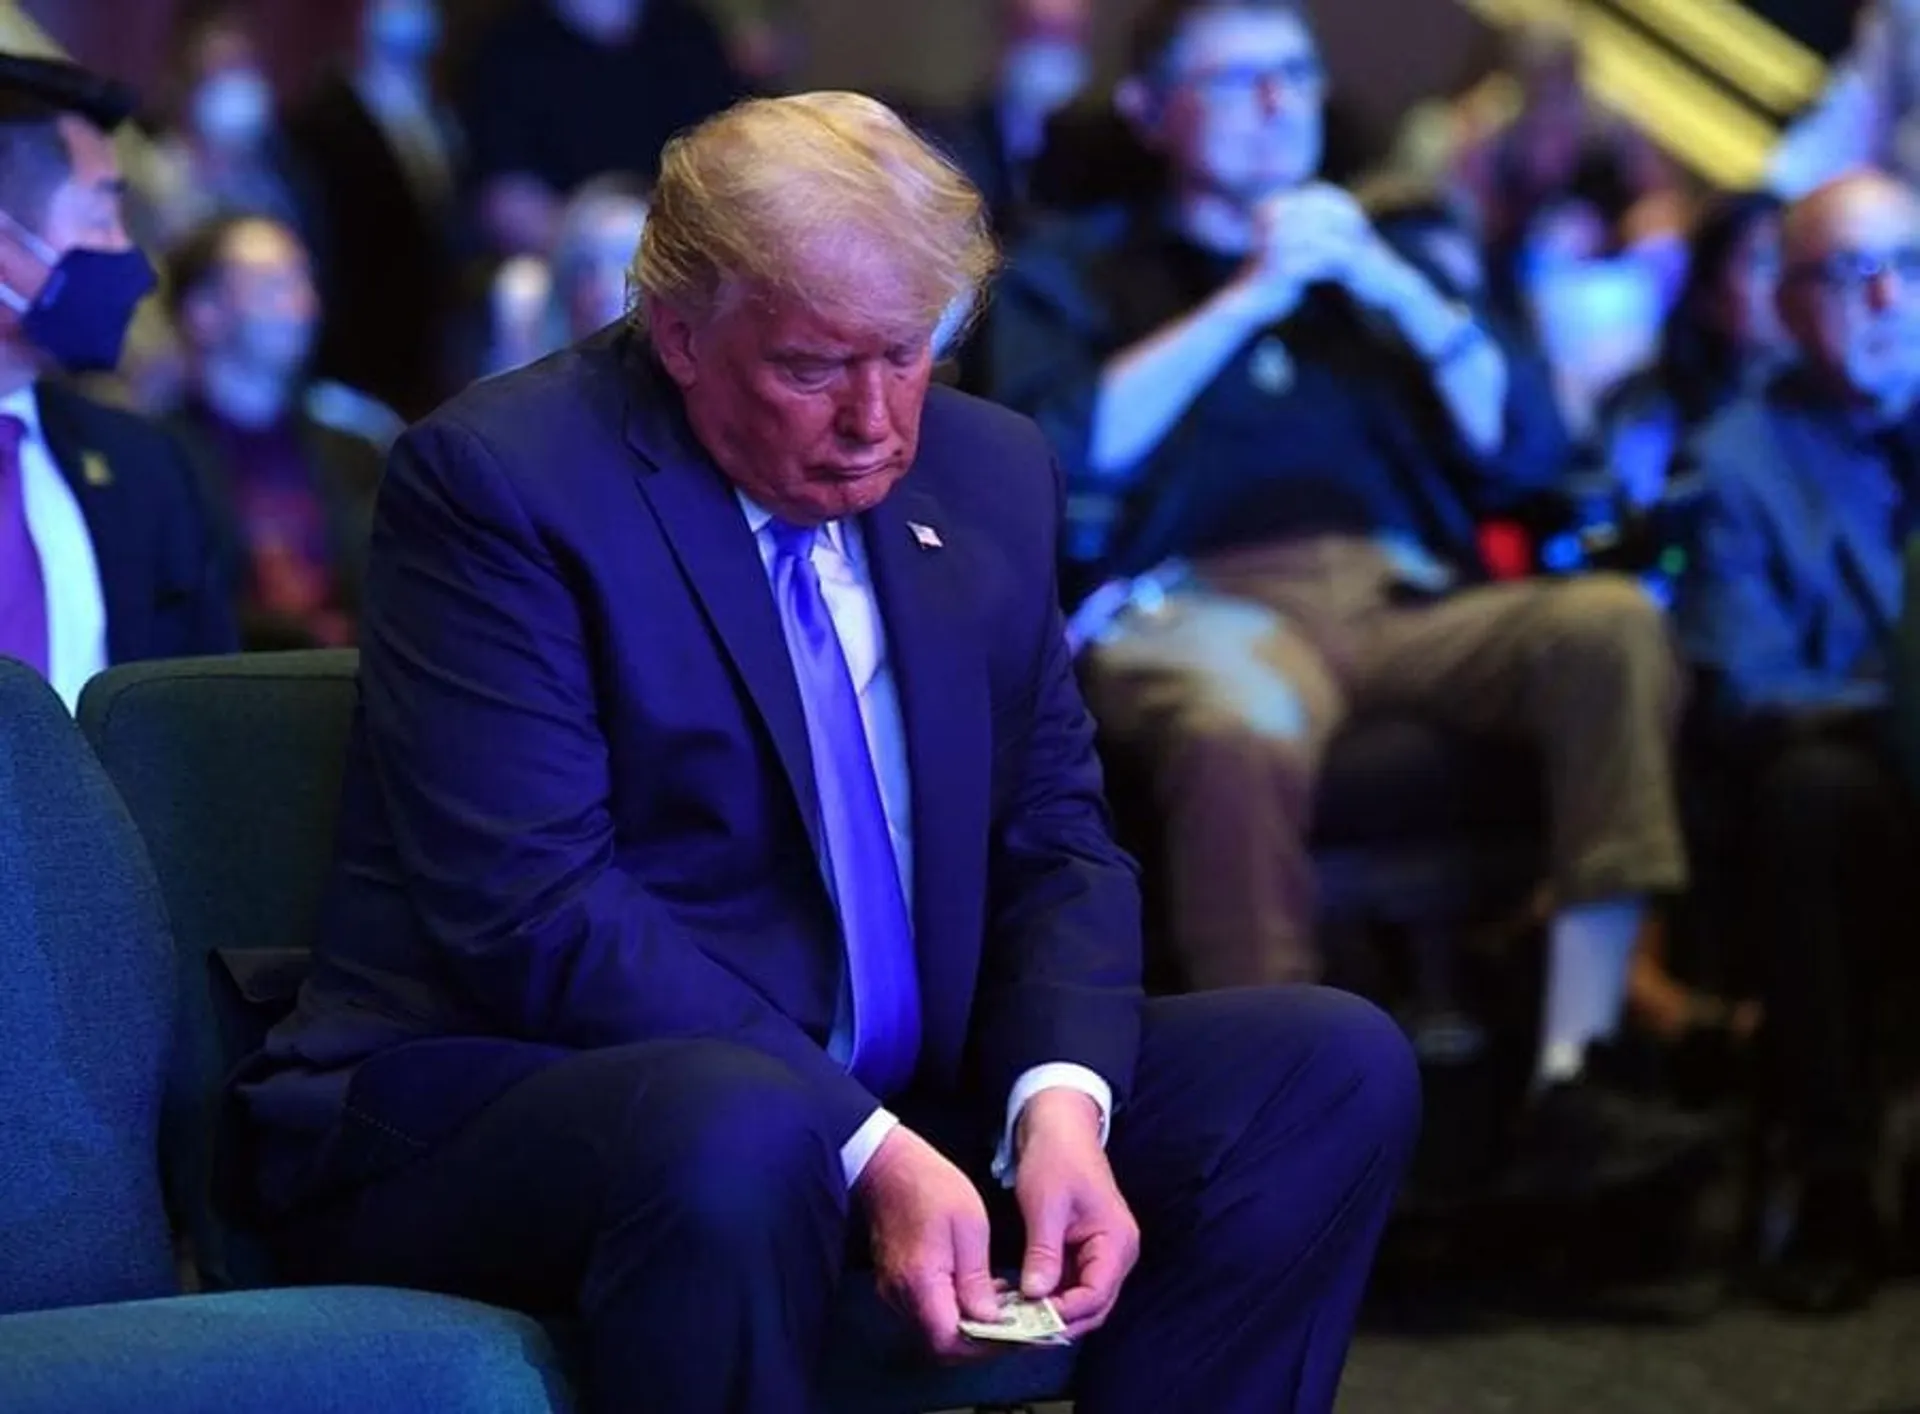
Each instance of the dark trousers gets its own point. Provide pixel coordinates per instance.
(682, 1198)
(1832, 866)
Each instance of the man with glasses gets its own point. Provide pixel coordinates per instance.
(1275, 431)
(1788, 607)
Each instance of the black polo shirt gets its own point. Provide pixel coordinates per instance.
(1322, 424)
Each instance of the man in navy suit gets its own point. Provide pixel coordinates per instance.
(725, 892)
(105, 554)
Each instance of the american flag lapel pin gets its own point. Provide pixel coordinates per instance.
(925, 536)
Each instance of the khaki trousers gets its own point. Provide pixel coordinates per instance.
(1235, 687)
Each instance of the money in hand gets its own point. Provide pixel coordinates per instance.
(1022, 1322)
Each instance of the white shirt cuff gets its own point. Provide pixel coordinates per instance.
(1054, 1075)
(858, 1151)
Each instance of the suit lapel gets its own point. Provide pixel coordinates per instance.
(919, 563)
(707, 531)
(119, 549)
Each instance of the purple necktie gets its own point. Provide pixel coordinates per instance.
(23, 588)
(860, 860)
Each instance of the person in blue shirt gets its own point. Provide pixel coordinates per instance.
(1789, 608)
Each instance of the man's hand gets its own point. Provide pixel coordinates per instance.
(929, 1242)
(1299, 237)
(1081, 1237)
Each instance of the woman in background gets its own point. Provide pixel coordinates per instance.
(1723, 337)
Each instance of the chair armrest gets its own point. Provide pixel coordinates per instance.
(320, 1350)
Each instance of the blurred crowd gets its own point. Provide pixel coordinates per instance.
(1517, 429)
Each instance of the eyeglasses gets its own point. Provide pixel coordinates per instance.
(1850, 272)
(1243, 82)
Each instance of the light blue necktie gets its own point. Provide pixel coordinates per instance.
(860, 862)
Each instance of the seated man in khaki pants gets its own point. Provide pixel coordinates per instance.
(1275, 398)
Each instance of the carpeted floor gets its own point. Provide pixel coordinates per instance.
(1744, 1360)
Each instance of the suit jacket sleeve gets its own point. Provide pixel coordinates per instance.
(1736, 620)
(480, 715)
(1061, 973)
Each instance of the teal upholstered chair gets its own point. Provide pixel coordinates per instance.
(231, 769)
(91, 1319)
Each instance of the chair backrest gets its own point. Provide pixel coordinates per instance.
(231, 769)
(86, 1014)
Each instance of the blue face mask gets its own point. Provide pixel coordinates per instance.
(81, 314)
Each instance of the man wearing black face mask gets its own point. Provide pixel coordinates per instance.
(104, 551)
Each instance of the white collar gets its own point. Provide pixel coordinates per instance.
(758, 517)
(24, 403)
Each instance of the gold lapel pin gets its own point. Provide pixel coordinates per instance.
(94, 469)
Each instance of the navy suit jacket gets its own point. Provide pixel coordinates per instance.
(579, 808)
(166, 590)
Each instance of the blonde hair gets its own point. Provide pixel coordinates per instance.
(826, 197)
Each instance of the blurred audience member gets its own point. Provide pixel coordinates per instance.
(1558, 148)
(539, 306)
(1045, 60)
(224, 150)
(1434, 232)
(762, 39)
(1868, 115)
(293, 498)
(1433, 229)
(1723, 339)
(520, 320)
(383, 156)
(105, 554)
(564, 90)
(1596, 316)
(599, 232)
(1278, 398)
(1788, 607)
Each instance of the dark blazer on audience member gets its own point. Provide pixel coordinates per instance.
(347, 471)
(579, 806)
(166, 592)
(391, 273)
(1793, 586)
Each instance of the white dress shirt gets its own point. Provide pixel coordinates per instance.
(76, 604)
(839, 558)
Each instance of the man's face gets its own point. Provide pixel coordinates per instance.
(1045, 51)
(1239, 104)
(1060, 21)
(82, 213)
(605, 21)
(1850, 294)
(262, 308)
(814, 415)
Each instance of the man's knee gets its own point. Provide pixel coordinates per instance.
(1327, 1097)
(1326, 1058)
(1609, 613)
(727, 1143)
(1605, 639)
(1362, 1063)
